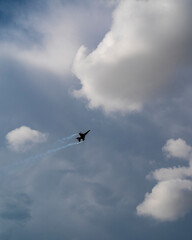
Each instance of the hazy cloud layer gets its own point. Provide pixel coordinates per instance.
(23, 138)
(138, 57)
(49, 39)
(15, 207)
(171, 198)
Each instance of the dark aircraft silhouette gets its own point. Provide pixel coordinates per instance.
(82, 136)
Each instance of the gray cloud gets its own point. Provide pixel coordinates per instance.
(16, 208)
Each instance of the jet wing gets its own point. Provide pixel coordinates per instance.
(87, 132)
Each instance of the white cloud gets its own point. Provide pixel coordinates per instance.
(57, 33)
(137, 58)
(56, 45)
(171, 198)
(177, 148)
(170, 173)
(23, 138)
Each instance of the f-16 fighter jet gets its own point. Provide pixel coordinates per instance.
(82, 136)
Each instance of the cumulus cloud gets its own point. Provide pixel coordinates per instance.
(171, 198)
(23, 138)
(177, 148)
(137, 58)
(170, 173)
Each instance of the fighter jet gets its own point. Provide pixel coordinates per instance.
(82, 136)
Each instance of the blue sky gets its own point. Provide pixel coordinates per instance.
(120, 68)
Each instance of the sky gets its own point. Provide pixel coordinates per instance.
(121, 68)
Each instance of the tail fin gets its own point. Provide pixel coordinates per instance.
(78, 138)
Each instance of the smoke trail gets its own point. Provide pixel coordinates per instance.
(63, 140)
(54, 150)
(32, 159)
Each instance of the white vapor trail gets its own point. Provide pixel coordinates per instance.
(63, 140)
(5, 170)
